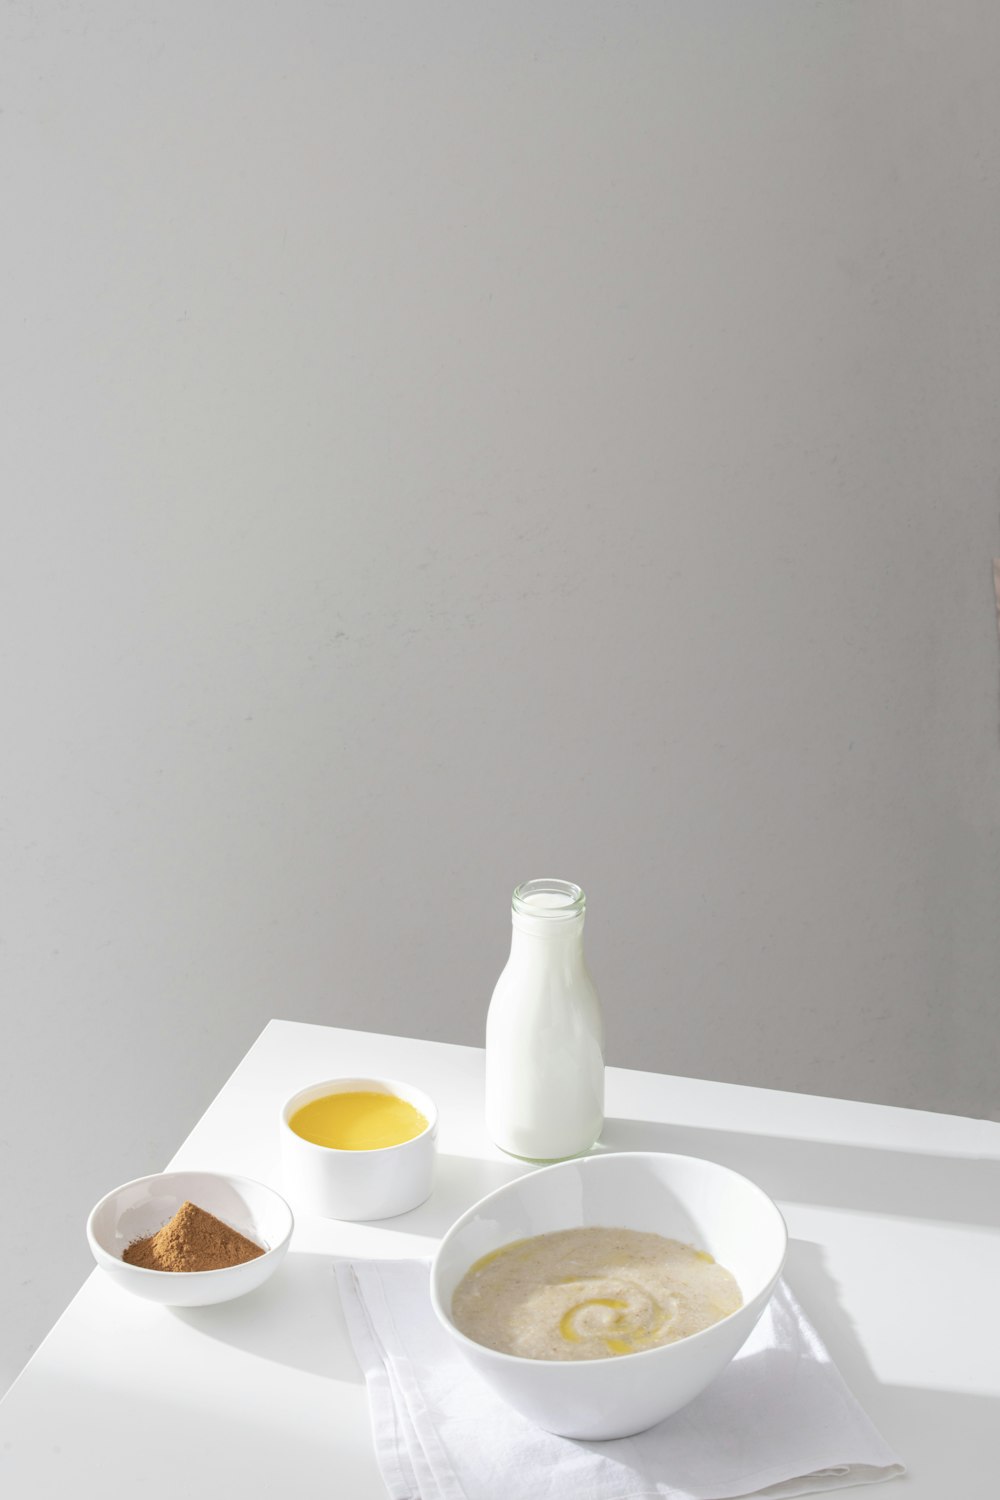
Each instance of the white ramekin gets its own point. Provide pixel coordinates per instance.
(374, 1184)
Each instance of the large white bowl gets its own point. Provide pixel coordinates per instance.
(683, 1197)
(140, 1208)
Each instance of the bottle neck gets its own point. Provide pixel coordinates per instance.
(548, 913)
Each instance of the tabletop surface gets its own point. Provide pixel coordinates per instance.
(894, 1218)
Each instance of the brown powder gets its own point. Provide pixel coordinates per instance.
(192, 1241)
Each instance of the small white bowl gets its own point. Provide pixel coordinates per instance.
(140, 1208)
(375, 1184)
(682, 1197)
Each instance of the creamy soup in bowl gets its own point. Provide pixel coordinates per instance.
(591, 1293)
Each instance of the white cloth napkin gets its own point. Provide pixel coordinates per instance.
(785, 1425)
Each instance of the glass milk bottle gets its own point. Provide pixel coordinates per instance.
(544, 1033)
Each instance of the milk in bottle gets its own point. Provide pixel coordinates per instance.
(544, 1032)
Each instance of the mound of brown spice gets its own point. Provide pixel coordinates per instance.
(193, 1240)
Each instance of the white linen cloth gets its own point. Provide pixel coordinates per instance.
(778, 1421)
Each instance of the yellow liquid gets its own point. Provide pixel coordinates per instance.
(358, 1122)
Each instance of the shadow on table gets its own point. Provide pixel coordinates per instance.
(943, 1437)
(295, 1319)
(459, 1182)
(867, 1179)
(810, 1278)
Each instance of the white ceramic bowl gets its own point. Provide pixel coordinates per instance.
(376, 1184)
(682, 1197)
(140, 1208)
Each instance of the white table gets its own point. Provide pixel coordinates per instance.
(894, 1218)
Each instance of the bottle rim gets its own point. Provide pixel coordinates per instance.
(549, 899)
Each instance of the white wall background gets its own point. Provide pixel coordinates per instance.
(448, 443)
